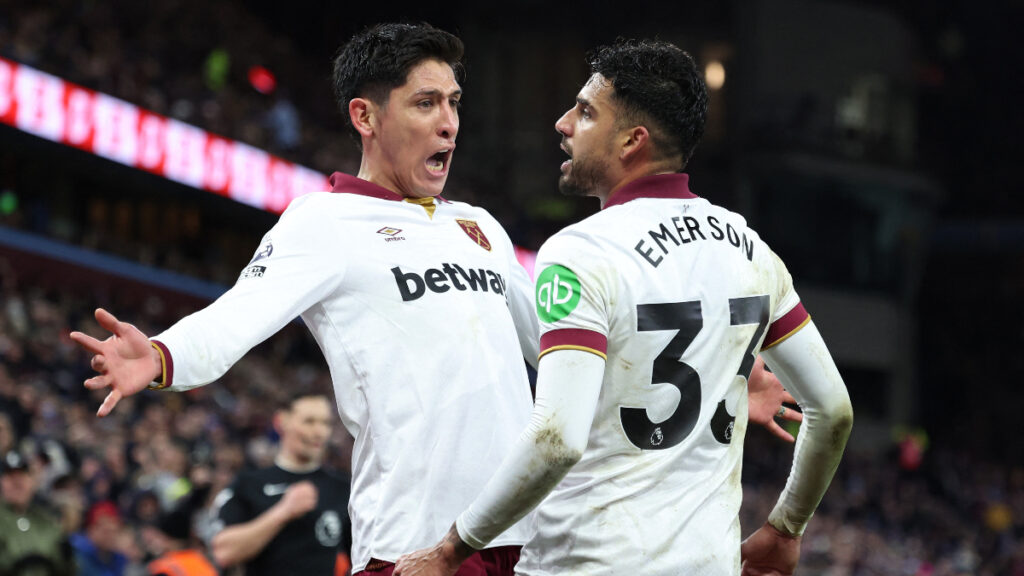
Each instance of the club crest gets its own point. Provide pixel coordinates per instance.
(472, 229)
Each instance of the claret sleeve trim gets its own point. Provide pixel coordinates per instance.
(784, 327)
(574, 339)
(167, 365)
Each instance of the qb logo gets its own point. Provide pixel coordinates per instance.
(558, 293)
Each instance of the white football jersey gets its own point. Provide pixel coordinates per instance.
(679, 295)
(415, 306)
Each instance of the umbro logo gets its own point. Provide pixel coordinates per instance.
(275, 489)
(391, 233)
(254, 271)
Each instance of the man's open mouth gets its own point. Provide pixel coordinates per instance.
(439, 162)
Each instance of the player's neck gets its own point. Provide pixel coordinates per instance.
(635, 173)
(293, 465)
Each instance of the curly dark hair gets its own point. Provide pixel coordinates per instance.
(378, 59)
(657, 85)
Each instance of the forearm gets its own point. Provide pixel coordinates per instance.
(241, 542)
(568, 386)
(201, 347)
(804, 365)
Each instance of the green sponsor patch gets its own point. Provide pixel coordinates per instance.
(558, 293)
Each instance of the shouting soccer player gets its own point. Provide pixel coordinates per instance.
(414, 300)
(652, 313)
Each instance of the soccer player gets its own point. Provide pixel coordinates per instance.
(652, 313)
(414, 300)
(418, 303)
(289, 518)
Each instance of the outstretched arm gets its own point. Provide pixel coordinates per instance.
(126, 361)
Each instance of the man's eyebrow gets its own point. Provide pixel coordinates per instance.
(583, 101)
(434, 92)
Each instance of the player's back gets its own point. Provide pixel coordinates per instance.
(684, 292)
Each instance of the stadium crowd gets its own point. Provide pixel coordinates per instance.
(214, 65)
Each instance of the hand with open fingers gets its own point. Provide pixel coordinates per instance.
(126, 362)
(769, 552)
(765, 399)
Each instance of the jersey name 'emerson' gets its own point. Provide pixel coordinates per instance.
(685, 229)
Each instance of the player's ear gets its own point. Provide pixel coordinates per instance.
(362, 112)
(633, 140)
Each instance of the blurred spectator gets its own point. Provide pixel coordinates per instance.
(283, 120)
(178, 559)
(172, 542)
(68, 496)
(97, 550)
(7, 437)
(32, 542)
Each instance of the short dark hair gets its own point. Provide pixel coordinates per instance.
(287, 403)
(657, 85)
(378, 59)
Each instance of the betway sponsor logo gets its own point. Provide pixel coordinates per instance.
(413, 286)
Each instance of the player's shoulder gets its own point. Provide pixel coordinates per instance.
(312, 200)
(729, 222)
(315, 204)
(723, 214)
(245, 486)
(586, 235)
(577, 246)
(304, 212)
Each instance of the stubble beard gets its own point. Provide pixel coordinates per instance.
(582, 179)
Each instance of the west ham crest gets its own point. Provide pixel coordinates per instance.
(472, 229)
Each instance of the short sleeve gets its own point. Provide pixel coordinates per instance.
(789, 314)
(571, 295)
(230, 507)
